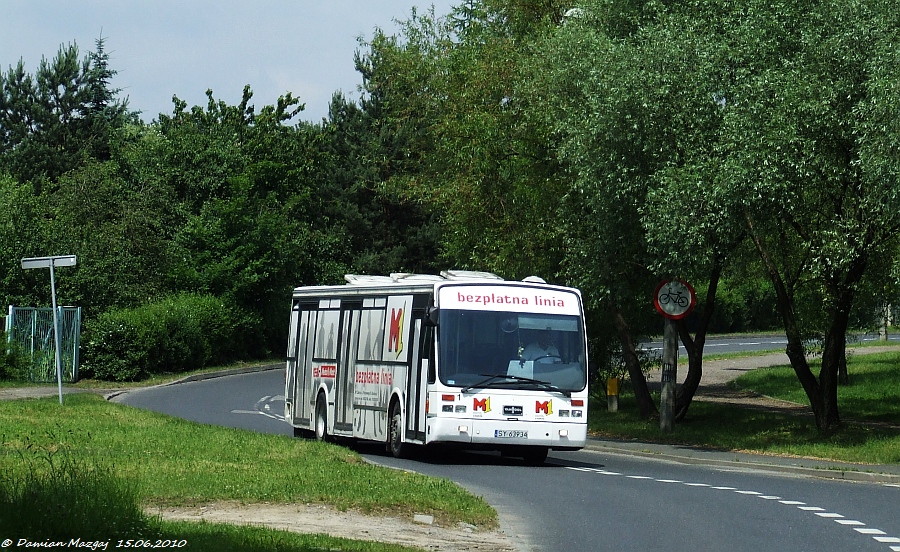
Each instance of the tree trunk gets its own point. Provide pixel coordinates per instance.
(646, 407)
(827, 417)
(834, 355)
(795, 350)
(694, 347)
(843, 375)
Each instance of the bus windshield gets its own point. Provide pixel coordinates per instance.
(511, 350)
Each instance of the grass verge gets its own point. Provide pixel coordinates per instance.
(868, 406)
(168, 461)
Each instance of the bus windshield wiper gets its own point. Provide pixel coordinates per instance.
(515, 379)
(484, 382)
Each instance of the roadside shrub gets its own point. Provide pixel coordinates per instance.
(742, 307)
(13, 364)
(178, 333)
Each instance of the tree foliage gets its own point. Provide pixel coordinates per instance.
(66, 112)
(446, 94)
(689, 127)
(229, 201)
(751, 148)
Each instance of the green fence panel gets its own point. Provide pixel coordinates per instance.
(31, 330)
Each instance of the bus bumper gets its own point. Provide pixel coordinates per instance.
(502, 433)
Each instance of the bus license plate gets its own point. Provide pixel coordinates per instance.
(510, 434)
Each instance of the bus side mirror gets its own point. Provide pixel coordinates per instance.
(431, 316)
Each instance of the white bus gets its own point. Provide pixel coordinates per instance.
(465, 359)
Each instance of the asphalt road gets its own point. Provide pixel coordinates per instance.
(717, 345)
(590, 500)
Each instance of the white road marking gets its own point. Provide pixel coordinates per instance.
(877, 534)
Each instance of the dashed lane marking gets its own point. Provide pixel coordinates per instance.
(877, 534)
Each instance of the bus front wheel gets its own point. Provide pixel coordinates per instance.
(395, 444)
(535, 456)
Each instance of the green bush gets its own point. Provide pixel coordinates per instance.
(178, 333)
(13, 364)
(742, 306)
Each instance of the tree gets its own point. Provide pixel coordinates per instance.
(811, 140)
(445, 97)
(713, 123)
(120, 231)
(22, 234)
(67, 113)
(384, 232)
(630, 90)
(244, 185)
(105, 113)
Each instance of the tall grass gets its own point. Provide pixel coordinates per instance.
(57, 495)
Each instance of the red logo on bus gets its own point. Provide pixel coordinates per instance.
(546, 407)
(481, 404)
(395, 333)
(325, 371)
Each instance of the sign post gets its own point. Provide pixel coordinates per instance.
(674, 299)
(51, 263)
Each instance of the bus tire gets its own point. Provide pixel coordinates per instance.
(321, 418)
(395, 444)
(535, 456)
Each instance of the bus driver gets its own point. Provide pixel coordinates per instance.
(542, 350)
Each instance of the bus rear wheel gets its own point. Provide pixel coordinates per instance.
(321, 419)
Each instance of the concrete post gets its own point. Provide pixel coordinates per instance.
(669, 375)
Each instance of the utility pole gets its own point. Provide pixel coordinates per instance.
(669, 377)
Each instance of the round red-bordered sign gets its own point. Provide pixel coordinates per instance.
(674, 299)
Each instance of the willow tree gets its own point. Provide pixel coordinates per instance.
(774, 121)
(811, 141)
(630, 90)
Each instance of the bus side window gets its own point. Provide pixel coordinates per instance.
(428, 353)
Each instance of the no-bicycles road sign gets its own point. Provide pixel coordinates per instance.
(674, 299)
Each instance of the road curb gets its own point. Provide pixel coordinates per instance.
(822, 469)
(201, 377)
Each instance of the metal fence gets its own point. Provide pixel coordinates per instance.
(30, 331)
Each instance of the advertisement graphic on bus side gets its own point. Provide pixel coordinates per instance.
(397, 326)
